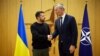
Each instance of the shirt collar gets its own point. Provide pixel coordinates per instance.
(63, 16)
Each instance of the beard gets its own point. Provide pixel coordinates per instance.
(42, 20)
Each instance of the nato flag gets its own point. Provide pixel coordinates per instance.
(85, 48)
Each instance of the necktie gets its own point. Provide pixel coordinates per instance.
(61, 24)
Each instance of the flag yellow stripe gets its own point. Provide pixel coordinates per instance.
(21, 49)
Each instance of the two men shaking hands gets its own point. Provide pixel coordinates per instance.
(65, 27)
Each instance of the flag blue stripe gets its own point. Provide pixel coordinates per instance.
(21, 27)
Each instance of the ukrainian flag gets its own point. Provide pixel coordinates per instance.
(21, 48)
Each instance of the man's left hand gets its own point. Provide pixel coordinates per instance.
(72, 48)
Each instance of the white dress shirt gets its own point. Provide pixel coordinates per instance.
(63, 17)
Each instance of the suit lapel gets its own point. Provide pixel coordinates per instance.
(58, 23)
(65, 21)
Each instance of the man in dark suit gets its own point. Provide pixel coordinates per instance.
(66, 28)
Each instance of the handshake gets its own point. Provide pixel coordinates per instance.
(49, 37)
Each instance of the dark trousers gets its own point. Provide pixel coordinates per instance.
(41, 52)
(64, 52)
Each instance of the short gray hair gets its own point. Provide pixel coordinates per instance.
(59, 5)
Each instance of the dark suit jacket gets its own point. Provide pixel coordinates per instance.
(67, 33)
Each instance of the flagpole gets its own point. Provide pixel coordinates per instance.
(21, 1)
(67, 6)
(41, 4)
(86, 1)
